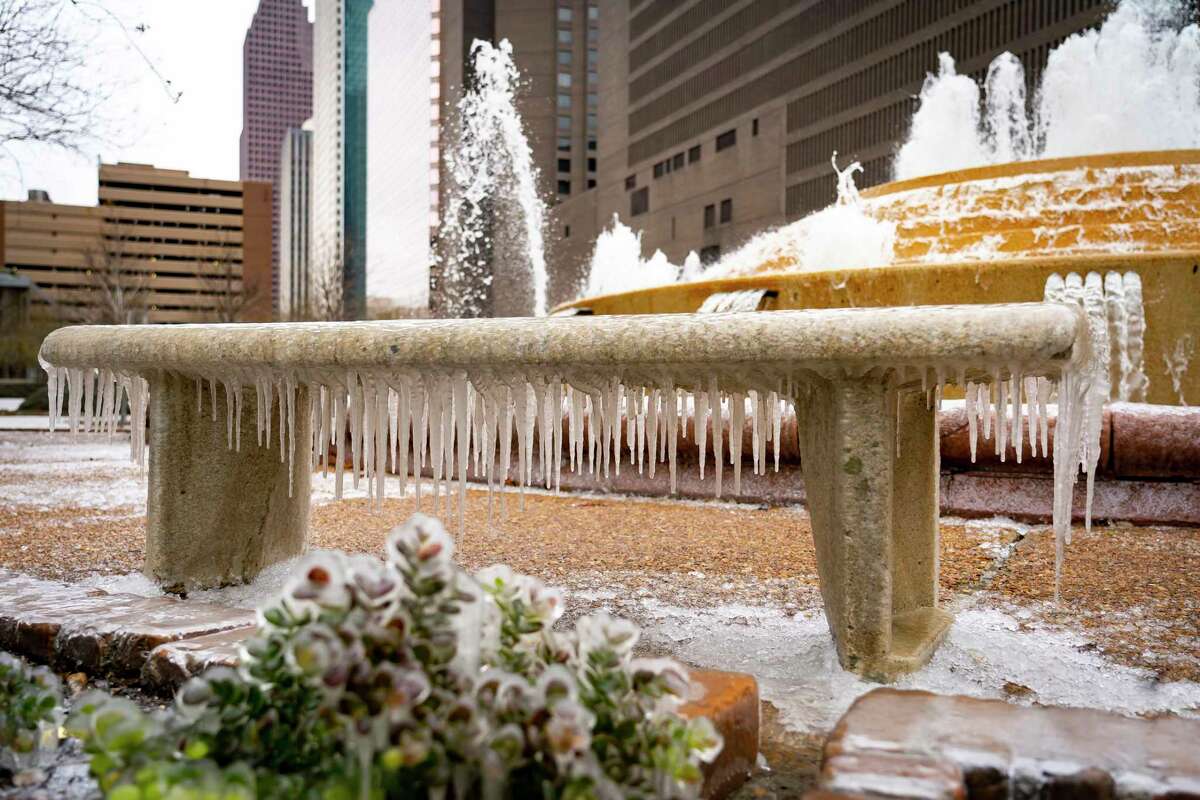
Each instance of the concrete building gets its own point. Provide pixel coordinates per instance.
(339, 225)
(276, 96)
(556, 48)
(402, 117)
(295, 215)
(161, 246)
(718, 119)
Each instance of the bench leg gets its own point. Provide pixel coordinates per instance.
(217, 516)
(874, 519)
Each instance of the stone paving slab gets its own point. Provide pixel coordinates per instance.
(74, 627)
(908, 744)
(172, 663)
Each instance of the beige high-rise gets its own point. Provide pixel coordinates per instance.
(161, 246)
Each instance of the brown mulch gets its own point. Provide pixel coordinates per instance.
(1135, 590)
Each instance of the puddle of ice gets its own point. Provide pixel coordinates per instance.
(794, 660)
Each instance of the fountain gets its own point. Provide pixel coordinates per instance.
(493, 212)
(987, 207)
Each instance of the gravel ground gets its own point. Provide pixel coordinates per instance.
(1130, 592)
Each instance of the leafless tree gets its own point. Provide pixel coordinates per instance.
(327, 283)
(42, 95)
(234, 298)
(117, 295)
(50, 93)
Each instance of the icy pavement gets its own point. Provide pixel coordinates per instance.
(49, 471)
(990, 652)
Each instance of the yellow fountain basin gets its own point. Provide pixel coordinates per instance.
(1120, 212)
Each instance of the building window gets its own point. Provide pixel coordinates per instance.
(726, 210)
(564, 80)
(660, 169)
(710, 215)
(593, 58)
(566, 231)
(564, 101)
(564, 123)
(727, 139)
(564, 57)
(591, 165)
(592, 121)
(710, 254)
(694, 154)
(564, 14)
(591, 184)
(591, 144)
(639, 202)
(593, 12)
(630, 183)
(754, 127)
(564, 165)
(564, 37)
(564, 143)
(677, 162)
(564, 187)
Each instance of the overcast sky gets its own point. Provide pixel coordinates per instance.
(197, 45)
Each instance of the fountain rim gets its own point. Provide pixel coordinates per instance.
(1114, 160)
(1064, 262)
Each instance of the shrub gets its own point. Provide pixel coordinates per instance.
(30, 713)
(407, 677)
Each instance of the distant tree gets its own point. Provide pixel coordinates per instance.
(327, 284)
(50, 92)
(116, 295)
(233, 298)
(42, 98)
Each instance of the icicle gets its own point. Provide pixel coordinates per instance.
(737, 413)
(339, 434)
(402, 432)
(777, 423)
(506, 410)
(673, 435)
(1015, 385)
(700, 425)
(228, 414)
(1001, 417)
(1135, 322)
(755, 418)
(652, 431)
(461, 406)
(985, 411)
(718, 424)
(1031, 413)
(556, 405)
(971, 392)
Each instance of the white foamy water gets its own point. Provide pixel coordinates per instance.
(840, 236)
(493, 208)
(617, 264)
(1134, 84)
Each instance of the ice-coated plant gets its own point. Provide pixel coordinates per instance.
(30, 713)
(408, 677)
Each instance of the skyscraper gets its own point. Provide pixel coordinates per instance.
(401, 150)
(339, 224)
(276, 95)
(295, 213)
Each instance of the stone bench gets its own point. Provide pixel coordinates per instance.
(865, 384)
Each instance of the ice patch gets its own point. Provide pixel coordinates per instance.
(796, 665)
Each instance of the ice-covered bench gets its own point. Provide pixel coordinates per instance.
(449, 395)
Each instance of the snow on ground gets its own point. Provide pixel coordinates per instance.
(57, 470)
